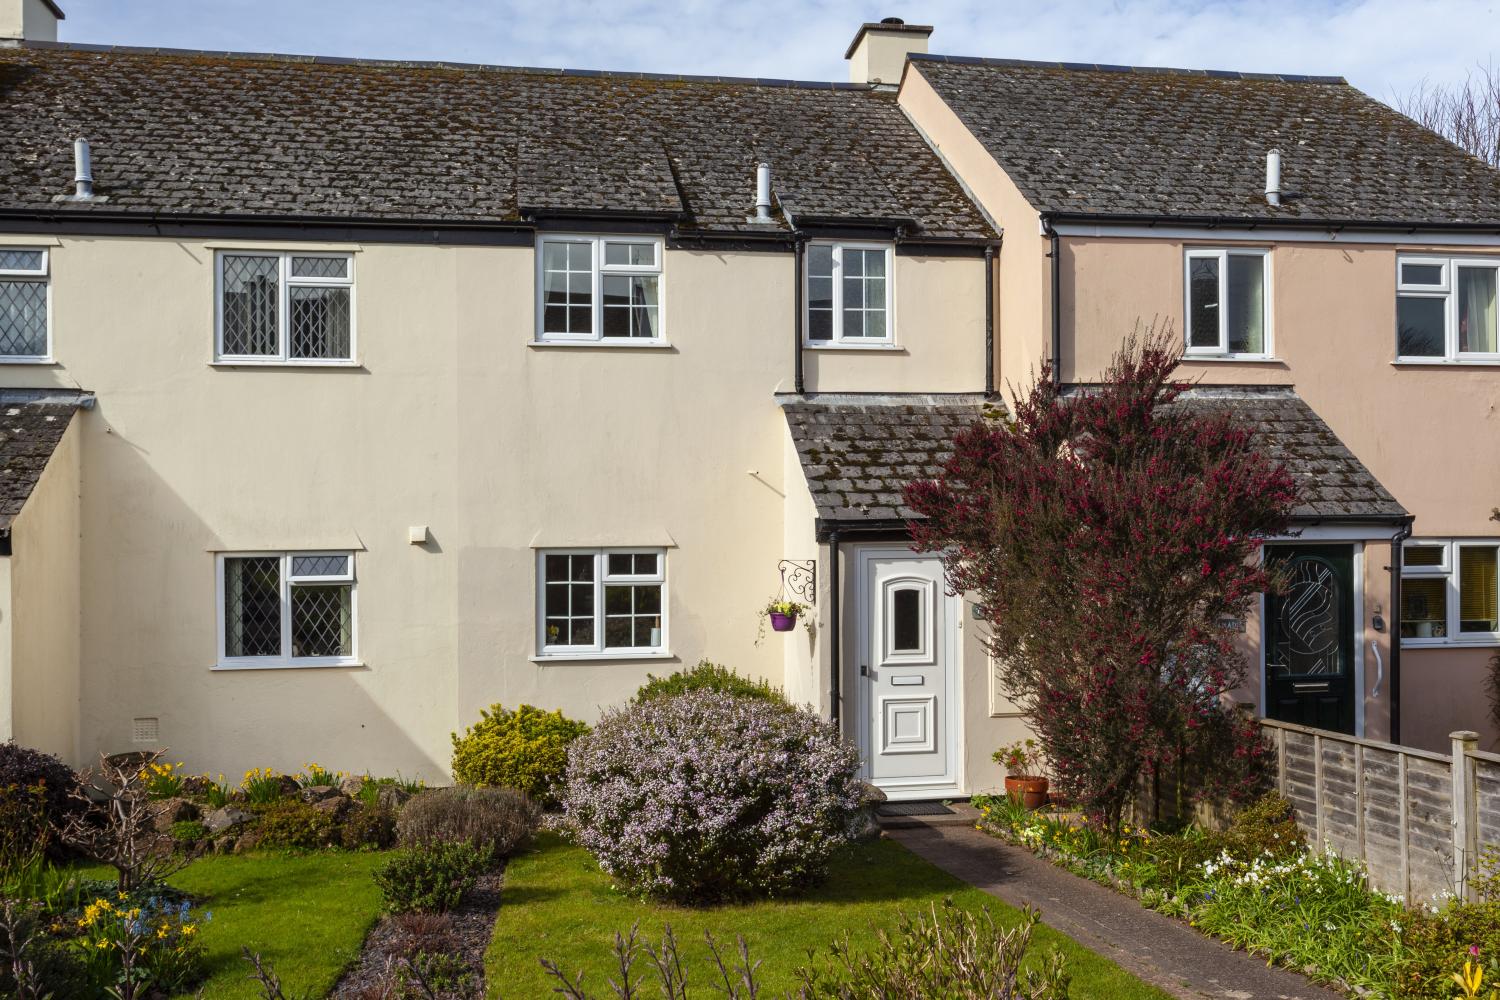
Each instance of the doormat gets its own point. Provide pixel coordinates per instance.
(914, 809)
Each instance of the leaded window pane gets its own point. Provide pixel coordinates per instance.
(320, 267)
(322, 620)
(252, 606)
(23, 319)
(320, 565)
(251, 305)
(20, 260)
(320, 323)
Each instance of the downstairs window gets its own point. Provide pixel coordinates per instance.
(286, 609)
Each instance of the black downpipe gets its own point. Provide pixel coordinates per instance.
(1055, 252)
(835, 630)
(798, 384)
(989, 321)
(1397, 557)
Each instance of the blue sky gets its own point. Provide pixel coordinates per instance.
(1382, 46)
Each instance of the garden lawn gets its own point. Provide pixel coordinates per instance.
(307, 915)
(557, 904)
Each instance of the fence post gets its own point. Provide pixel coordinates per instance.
(1318, 788)
(1465, 813)
(1281, 761)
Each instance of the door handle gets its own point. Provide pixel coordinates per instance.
(1311, 688)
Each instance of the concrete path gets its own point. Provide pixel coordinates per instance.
(1164, 952)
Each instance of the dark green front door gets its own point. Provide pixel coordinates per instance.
(1309, 636)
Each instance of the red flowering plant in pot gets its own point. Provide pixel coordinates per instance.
(1025, 772)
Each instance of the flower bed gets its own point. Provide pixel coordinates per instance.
(1256, 886)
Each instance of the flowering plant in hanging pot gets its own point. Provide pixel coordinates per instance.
(783, 614)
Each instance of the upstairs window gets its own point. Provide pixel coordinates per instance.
(1450, 592)
(609, 602)
(24, 330)
(1228, 304)
(1446, 310)
(285, 308)
(848, 294)
(286, 609)
(604, 289)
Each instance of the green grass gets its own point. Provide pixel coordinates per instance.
(557, 904)
(306, 914)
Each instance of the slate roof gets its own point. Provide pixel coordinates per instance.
(1334, 482)
(219, 134)
(1120, 140)
(858, 451)
(32, 423)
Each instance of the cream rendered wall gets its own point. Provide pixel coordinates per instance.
(45, 601)
(1022, 302)
(28, 19)
(450, 420)
(805, 655)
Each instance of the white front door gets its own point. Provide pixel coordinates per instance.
(907, 678)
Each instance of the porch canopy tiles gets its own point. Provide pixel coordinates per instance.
(859, 450)
(32, 423)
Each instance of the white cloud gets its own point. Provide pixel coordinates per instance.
(1382, 46)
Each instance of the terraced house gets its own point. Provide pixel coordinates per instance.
(342, 398)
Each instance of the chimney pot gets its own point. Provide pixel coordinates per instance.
(1273, 178)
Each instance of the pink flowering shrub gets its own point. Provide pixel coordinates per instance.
(703, 797)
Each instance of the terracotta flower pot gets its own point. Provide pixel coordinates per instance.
(1030, 792)
(782, 623)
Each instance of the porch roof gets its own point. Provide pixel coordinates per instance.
(859, 450)
(32, 422)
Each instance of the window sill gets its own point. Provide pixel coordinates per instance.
(1478, 642)
(29, 361)
(247, 363)
(644, 345)
(1233, 359)
(816, 346)
(279, 664)
(1442, 363)
(599, 657)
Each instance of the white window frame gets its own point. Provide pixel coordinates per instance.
(42, 276)
(838, 341)
(286, 660)
(597, 650)
(1221, 349)
(1448, 292)
(285, 282)
(1450, 571)
(598, 270)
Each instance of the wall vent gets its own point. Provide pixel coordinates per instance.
(146, 730)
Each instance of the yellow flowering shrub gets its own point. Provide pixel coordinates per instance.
(525, 749)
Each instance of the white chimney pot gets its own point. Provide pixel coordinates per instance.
(877, 55)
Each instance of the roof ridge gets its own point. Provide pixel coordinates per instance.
(1216, 74)
(314, 60)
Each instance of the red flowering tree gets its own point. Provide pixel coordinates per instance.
(1106, 533)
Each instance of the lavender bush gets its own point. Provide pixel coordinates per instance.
(703, 797)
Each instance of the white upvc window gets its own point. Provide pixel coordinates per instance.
(285, 308)
(286, 609)
(25, 306)
(600, 289)
(1228, 303)
(848, 295)
(601, 602)
(1449, 592)
(1446, 309)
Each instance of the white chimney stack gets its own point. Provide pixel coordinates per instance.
(1273, 178)
(763, 193)
(877, 55)
(28, 21)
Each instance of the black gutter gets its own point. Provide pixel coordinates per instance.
(989, 321)
(799, 250)
(1259, 222)
(1055, 252)
(835, 627)
(1397, 556)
